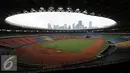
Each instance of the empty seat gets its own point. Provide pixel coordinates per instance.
(40, 38)
(20, 41)
(32, 39)
(16, 41)
(24, 40)
(5, 44)
(8, 43)
(47, 38)
(52, 37)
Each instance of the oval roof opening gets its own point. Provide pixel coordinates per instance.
(59, 21)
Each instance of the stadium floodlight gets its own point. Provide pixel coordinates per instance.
(77, 10)
(51, 9)
(25, 11)
(99, 15)
(92, 13)
(33, 10)
(69, 9)
(41, 9)
(60, 9)
(85, 12)
(18, 13)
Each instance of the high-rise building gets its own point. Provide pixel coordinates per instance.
(54, 26)
(80, 25)
(90, 25)
(57, 26)
(69, 27)
(65, 26)
(49, 26)
(61, 27)
(80, 22)
(85, 27)
(74, 26)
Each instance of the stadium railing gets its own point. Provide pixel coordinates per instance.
(108, 50)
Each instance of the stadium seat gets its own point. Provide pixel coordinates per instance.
(20, 41)
(52, 37)
(8, 43)
(15, 40)
(5, 44)
(40, 39)
(24, 40)
(32, 39)
(47, 38)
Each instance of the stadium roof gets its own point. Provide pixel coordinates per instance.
(117, 10)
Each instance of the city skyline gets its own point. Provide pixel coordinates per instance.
(73, 26)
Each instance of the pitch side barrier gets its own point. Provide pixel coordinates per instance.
(108, 50)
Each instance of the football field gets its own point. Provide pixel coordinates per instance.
(70, 45)
(60, 51)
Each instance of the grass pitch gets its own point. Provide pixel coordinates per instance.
(71, 45)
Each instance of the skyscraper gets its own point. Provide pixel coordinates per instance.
(65, 26)
(80, 25)
(85, 27)
(61, 27)
(57, 26)
(54, 26)
(80, 22)
(74, 26)
(90, 25)
(49, 26)
(69, 27)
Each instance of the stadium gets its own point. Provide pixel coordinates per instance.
(55, 38)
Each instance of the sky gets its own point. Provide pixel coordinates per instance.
(41, 19)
